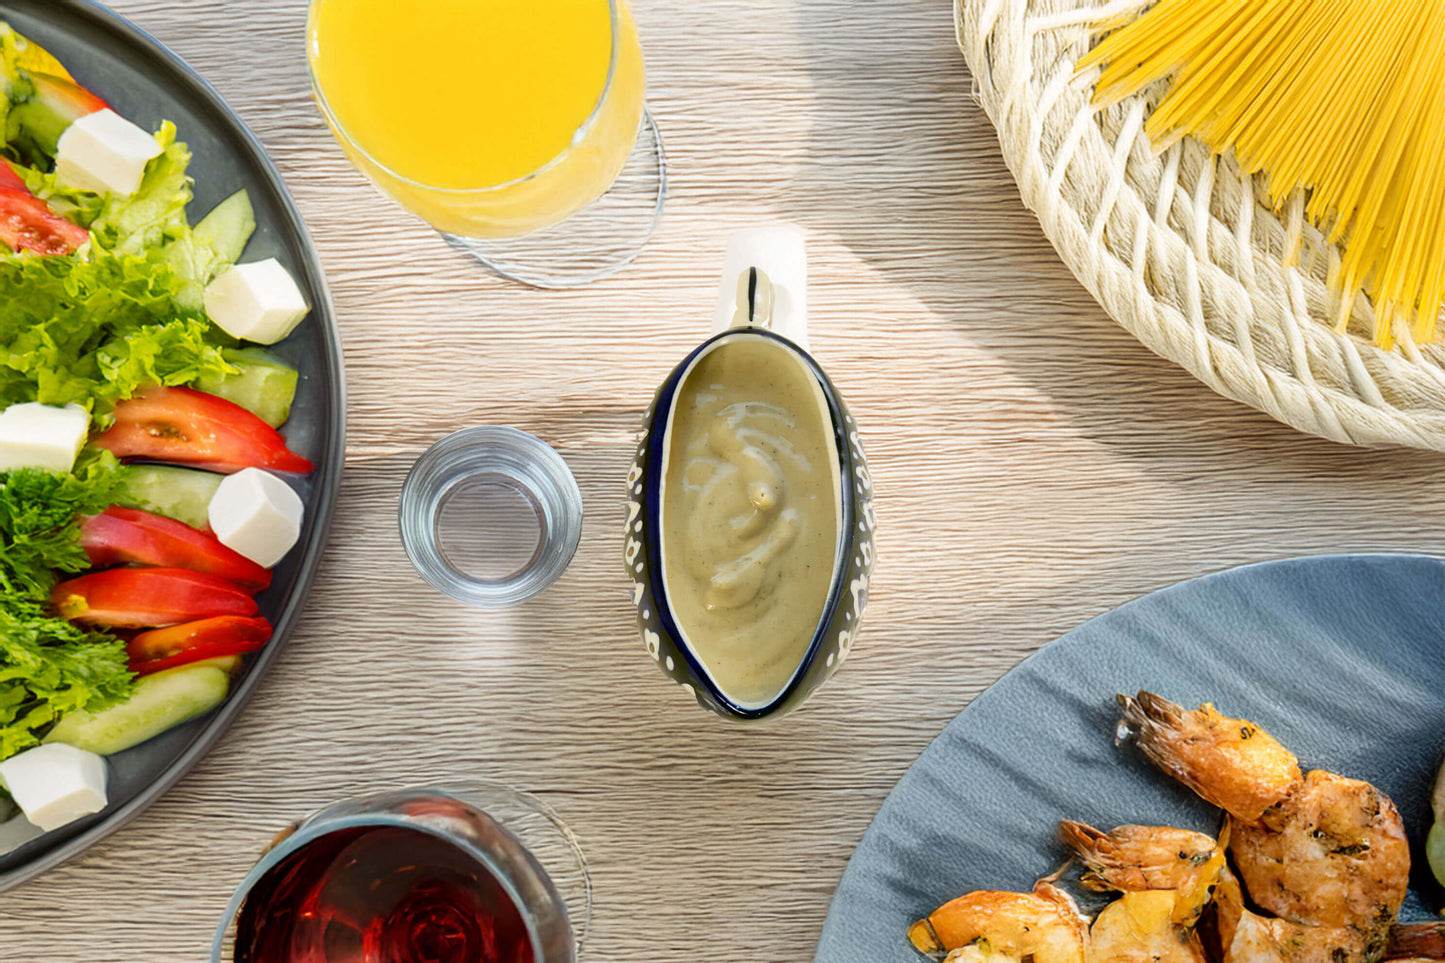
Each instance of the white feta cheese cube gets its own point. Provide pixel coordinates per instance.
(257, 514)
(55, 784)
(104, 152)
(33, 435)
(256, 302)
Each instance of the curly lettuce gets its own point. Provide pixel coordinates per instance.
(49, 666)
(39, 531)
(94, 331)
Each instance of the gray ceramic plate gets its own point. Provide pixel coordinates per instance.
(1341, 658)
(144, 81)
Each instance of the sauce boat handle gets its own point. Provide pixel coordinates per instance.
(765, 282)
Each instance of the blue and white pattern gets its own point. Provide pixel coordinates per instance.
(844, 613)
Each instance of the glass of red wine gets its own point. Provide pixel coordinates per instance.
(447, 874)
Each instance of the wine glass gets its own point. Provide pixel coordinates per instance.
(470, 872)
(516, 128)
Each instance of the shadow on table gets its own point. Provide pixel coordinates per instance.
(986, 265)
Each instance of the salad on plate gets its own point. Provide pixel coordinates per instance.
(145, 490)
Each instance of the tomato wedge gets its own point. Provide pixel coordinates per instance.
(194, 641)
(190, 427)
(28, 224)
(139, 598)
(120, 536)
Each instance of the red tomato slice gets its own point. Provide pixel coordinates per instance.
(195, 641)
(122, 536)
(10, 179)
(28, 224)
(136, 598)
(190, 427)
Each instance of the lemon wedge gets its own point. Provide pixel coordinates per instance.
(37, 60)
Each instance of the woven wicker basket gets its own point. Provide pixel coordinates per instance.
(1182, 248)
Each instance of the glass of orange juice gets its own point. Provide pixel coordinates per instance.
(516, 128)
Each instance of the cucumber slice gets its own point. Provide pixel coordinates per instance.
(159, 702)
(226, 663)
(265, 385)
(180, 493)
(36, 124)
(228, 227)
(37, 129)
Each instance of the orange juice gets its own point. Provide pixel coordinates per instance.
(488, 118)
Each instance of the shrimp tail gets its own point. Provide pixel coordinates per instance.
(923, 937)
(1082, 838)
(1147, 709)
(1085, 842)
(1157, 726)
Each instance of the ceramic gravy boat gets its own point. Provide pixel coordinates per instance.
(761, 325)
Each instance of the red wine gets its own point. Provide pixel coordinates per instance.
(380, 894)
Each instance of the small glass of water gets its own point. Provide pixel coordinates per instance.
(490, 515)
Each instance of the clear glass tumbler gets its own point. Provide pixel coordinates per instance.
(490, 515)
(457, 873)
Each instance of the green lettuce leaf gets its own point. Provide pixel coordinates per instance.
(49, 666)
(93, 330)
(39, 532)
(80, 207)
(156, 214)
(152, 217)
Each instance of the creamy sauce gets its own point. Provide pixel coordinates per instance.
(750, 514)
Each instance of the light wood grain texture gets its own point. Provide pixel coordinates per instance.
(1034, 467)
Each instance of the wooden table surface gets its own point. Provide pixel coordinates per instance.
(1034, 467)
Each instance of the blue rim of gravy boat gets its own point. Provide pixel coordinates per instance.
(657, 442)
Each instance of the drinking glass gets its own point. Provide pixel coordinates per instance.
(471, 872)
(490, 515)
(516, 128)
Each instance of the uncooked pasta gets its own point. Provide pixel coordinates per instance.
(1342, 99)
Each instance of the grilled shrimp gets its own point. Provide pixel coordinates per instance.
(1316, 850)
(1140, 858)
(1230, 762)
(1139, 928)
(1247, 937)
(989, 925)
(1334, 855)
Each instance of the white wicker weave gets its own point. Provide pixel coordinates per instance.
(1182, 248)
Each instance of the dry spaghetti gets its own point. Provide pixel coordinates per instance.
(1344, 99)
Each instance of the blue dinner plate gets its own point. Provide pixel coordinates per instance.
(1341, 658)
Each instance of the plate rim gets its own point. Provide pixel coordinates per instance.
(327, 480)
